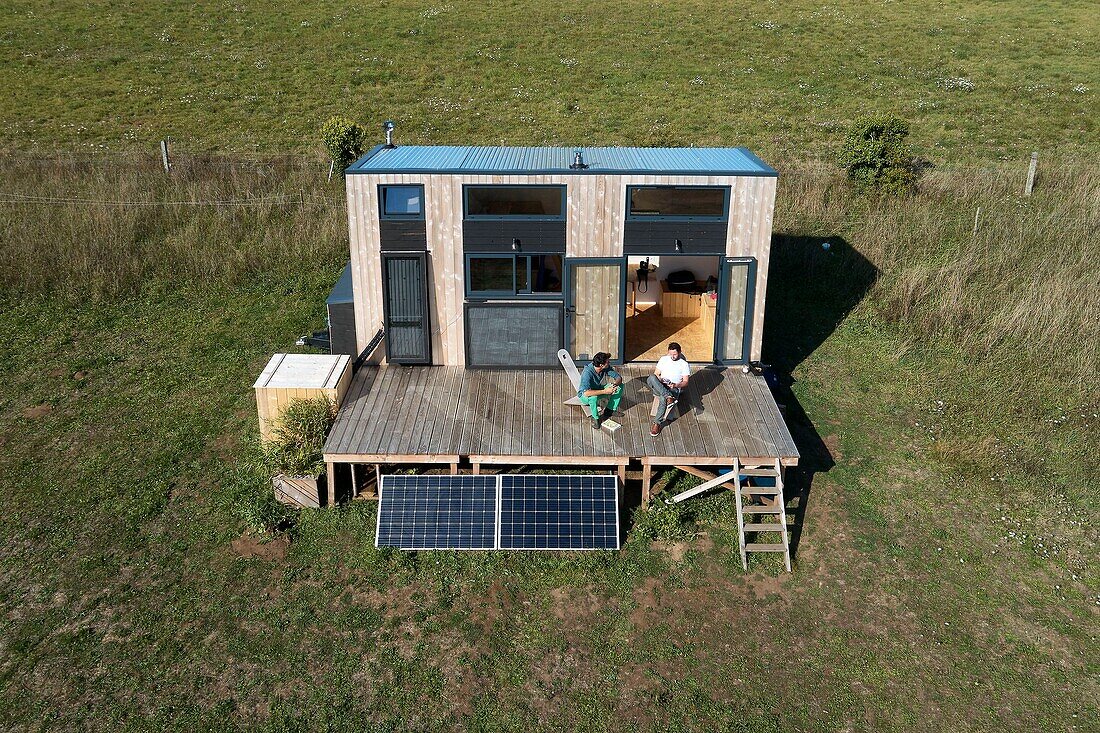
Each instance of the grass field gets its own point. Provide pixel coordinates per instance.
(942, 381)
(979, 80)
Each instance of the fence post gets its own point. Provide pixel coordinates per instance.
(977, 214)
(164, 155)
(1031, 173)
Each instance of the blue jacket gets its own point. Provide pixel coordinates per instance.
(591, 379)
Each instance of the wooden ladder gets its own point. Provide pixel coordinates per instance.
(771, 502)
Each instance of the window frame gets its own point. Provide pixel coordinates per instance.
(467, 216)
(651, 217)
(514, 293)
(399, 217)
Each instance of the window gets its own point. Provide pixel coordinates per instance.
(500, 275)
(515, 202)
(699, 203)
(402, 202)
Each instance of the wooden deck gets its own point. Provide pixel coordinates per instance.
(441, 414)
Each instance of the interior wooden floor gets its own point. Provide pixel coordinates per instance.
(648, 335)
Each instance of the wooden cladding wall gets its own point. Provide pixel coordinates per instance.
(594, 227)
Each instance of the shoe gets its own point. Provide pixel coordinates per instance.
(670, 400)
(655, 429)
(606, 414)
(595, 424)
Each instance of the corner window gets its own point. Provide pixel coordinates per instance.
(507, 276)
(401, 202)
(690, 203)
(515, 202)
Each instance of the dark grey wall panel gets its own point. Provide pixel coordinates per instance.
(659, 237)
(398, 235)
(497, 236)
(341, 328)
(513, 335)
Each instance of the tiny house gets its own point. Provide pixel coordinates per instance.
(472, 267)
(496, 257)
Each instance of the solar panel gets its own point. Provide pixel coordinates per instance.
(559, 512)
(437, 512)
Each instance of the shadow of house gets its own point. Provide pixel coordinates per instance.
(811, 290)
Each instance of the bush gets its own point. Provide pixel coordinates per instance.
(343, 140)
(877, 156)
(297, 444)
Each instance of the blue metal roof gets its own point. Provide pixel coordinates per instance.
(474, 159)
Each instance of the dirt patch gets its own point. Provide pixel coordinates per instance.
(832, 442)
(647, 598)
(225, 446)
(57, 372)
(677, 550)
(81, 375)
(249, 545)
(499, 601)
(574, 607)
(33, 413)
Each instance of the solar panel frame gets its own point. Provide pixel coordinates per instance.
(548, 515)
(478, 498)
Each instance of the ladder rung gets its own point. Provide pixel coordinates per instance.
(760, 490)
(769, 472)
(773, 527)
(762, 509)
(757, 547)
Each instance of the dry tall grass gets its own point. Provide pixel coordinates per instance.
(1026, 284)
(95, 228)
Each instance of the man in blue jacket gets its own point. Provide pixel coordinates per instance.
(595, 387)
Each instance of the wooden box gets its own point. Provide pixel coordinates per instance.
(300, 491)
(679, 305)
(290, 377)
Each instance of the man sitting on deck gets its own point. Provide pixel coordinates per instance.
(667, 381)
(593, 390)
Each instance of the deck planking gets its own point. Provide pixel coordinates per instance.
(407, 412)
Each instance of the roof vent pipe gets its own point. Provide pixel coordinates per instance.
(388, 127)
(578, 161)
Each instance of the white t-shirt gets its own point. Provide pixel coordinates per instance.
(673, 371)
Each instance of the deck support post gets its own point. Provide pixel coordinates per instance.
(476, 468)
(622, 472)
(647, 483)
(354, 483)
(454, 469)
(331, 468)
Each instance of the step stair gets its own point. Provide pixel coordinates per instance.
(777, 508)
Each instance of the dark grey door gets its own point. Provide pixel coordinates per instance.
(405, 304)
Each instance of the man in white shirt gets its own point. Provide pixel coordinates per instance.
(667, 381)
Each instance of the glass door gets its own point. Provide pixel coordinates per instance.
(405, 306)
(595, 306)
(736, 295)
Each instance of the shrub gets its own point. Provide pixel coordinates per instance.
(877, 156)
(297, 444)
(343, 139)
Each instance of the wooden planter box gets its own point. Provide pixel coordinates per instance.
(299, 491)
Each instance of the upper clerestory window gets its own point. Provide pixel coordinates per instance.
(514, 202)
(401, 202)
(684, 203)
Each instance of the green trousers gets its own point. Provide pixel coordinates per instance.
(612, 400)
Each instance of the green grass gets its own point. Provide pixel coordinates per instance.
(942, 381)
(978, 80)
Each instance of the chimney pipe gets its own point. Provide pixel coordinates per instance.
(388, 127)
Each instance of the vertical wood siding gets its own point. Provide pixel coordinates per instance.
(596, 212)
